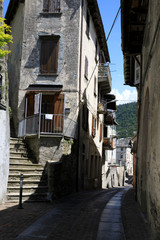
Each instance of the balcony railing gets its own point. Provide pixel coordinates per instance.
(104, 76)
(47, 124)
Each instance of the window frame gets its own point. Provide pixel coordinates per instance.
(87, 23)
(86, 68)
(55, 51)
(51, 7)
(93, 125)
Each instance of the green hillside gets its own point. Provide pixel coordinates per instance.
(127, 119)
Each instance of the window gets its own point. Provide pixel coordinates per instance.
(105, 133)
(93, 126)
(52, 108)
(49, 55)
(95, 86)
(51, 6)
(86, 68)
(87, 23)
(121, 149)
(101, 131)
(96, 51)
(121, 155)
(85, 117)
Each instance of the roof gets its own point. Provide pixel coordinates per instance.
(133, 21)
(11, 10)
(94, 11)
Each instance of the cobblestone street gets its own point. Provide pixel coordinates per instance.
(74, 217)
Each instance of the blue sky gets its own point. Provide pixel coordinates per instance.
(108, 10)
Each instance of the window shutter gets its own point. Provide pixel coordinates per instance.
(85, 114)
(95, 86)
(101, 130)
(49, 56)
(93, 126)
(58, 111)
(30, 105)
(45, 5)
(56, 5)
(87, 23)
(86, 67)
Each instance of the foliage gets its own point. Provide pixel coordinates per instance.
(127, 119)
(5, 37)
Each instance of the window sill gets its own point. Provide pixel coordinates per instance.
(54, 14)
(48, 74)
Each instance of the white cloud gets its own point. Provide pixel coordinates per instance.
(127, 96)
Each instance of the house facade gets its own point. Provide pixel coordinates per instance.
(140, 43)
(58, 74)
(124, 156)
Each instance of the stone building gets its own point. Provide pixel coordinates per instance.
(58, 76)
(140, 45)
(124, 156)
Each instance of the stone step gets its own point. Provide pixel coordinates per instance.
(27, 165)
(18, 154)
(18, 158)
(26, 183)
(25, 171)
(28, 189)
(17, 148)
(14, 197)
(34, 176)
(19, 161)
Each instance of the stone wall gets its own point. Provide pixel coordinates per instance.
(148, 162)
(4, 153)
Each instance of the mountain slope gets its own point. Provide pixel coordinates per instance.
(127, 119)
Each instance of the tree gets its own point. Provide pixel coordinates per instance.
(5, 37)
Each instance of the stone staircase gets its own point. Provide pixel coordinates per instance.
(34, 177)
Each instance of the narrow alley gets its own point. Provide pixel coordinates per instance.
(84, 215)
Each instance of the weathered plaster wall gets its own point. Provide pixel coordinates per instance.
(4, 153)
(14, 60)
(66, 25)
(149, 134)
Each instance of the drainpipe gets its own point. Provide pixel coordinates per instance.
(79, 117)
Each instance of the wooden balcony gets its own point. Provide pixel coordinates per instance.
(104, 78)
(108, 144)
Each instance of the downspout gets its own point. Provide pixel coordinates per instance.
(79, 117)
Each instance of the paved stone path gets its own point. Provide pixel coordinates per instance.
(110, 226)
(79, 216)
(76, 218)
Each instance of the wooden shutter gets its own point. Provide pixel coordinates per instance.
(85, 114)
(95, 86)
(49, 56)
(86, 67)
(30, 105)
(93, 126)
(101, 131)
(58, 111)
(45, 5)
(87, 23)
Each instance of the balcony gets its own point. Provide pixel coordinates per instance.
(101, 108)
(48, 125)
(108, 144)
(104, 78)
